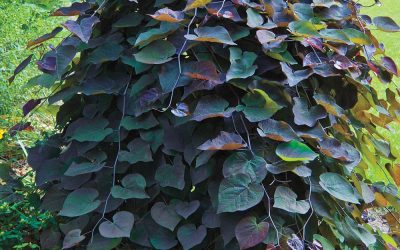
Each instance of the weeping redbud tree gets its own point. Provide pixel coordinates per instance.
(204, 124)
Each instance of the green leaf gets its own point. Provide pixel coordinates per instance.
(133, 187)
(245, 163)
(145, 121)
(286, 199)
(238, 193)
(83, 168)
(217, 34)
(193, 4)
(326, 244)
(129, 20)
(303, 28)
(172, 175)
(357, 36)
(335, 35)
(80, 202)
(254, 19)
(259, 106)
(303, 11)
(303, 115)
(87, 130)
(155, 34)
(139, 151)
(337, 186)
(241, 64)
(385, 23)
(157, 52)
(295, 151)
(109, 51)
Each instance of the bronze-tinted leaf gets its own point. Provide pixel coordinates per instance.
(224, 141)
(168, 15)
(44, 38)
(74, 10)
(276, 130)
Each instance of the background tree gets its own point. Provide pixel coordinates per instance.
(227, 124)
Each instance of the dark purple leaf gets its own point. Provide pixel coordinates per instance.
(44, 38)
(189, 236)
(83, 30)
(185, 209)
(249, 233)
(165, 215)
(47, 64)
(20, 127)
(75, 9)
(20, 67)
(389, 65)
(30, 105)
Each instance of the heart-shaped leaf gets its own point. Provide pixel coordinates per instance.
(172, 175)
(304, 115)
(189, 236)
(217, 34)
(83, 30)
(157, 52)
(185, 209)
(339, 187)
(80, 202)
(211, 107)
(146, 121)
(258, 106)
(224, 141)
(165, 216)
(133, 187)
(276, 130)
(249, 233)
(295, 151)
(120, 227)
(238, 193)
(241, 64)
(286, 199)
(73, 238)
(245, 163)
(139, 151)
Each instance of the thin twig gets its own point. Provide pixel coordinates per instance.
(312, 210)
(179, 65)
(269, 214)
(116, 157)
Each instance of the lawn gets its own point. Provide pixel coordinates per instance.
(391, 41)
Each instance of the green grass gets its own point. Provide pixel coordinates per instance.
(392, 46)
